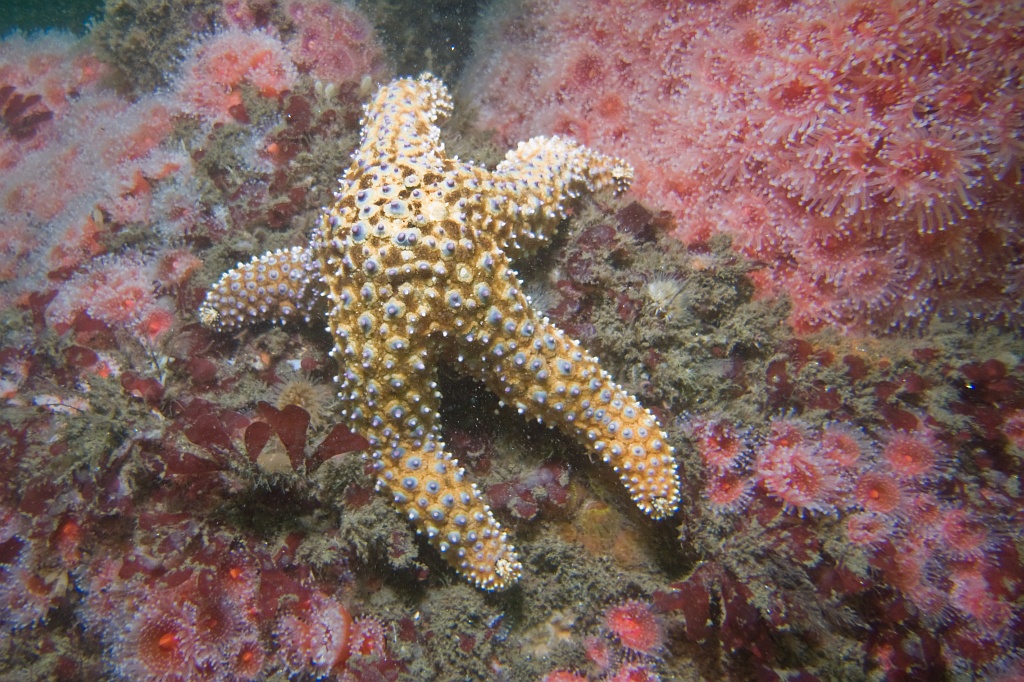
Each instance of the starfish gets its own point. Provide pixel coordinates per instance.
(415, 259)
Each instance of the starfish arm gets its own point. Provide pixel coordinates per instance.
(401, 121)
(391, 399)
(536, 182)
(531, 364)
(427, 486)
(277, 286)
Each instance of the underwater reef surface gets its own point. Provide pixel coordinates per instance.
(839, 372)
(868, 152)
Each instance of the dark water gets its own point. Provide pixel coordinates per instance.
(69, 15)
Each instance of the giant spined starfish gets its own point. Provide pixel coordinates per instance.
(414, 258)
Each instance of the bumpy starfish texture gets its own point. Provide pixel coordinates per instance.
(414, 258)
